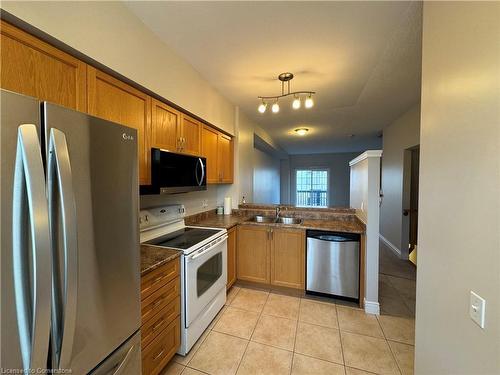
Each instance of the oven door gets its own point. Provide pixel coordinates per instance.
(206, 275)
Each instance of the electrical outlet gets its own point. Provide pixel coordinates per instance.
(204, 203)
(477, 309)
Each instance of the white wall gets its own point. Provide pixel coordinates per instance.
(109, 33)
(359, 188)
(402, 134)
(338, 166)
(364, 197)
(459, 207)
(266, 178)
(285, 181)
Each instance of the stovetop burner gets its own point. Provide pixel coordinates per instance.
(184, 238)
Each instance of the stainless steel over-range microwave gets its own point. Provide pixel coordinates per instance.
(175, 173)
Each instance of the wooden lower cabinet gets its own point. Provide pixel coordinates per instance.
(160, 314)
(271, 255)
(157, 354)
(252, 255)
(288, 257)
(231, 256)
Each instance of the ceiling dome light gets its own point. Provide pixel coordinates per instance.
(309, 102)
(275, 108)
(296, 103)
(262, 107)
(301, 131)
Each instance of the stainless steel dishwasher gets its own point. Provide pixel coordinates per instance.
(333, 264)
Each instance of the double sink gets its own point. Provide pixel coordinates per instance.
(274, 219)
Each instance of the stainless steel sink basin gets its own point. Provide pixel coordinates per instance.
(263, 219)
(289, 220)
(274, 219)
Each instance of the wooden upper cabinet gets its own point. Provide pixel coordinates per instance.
(252, 253)
(190, 135)
(225, 159)
(35, 68)
(114, 100)
(288, 257)
(217, 148)
(165, 127)
(209, 143)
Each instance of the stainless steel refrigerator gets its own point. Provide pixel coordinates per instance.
(70, 267)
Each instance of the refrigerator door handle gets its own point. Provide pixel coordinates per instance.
(32, 270)
(60, 189)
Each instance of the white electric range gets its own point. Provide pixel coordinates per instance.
(203, 266)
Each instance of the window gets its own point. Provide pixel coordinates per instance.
(312, 188)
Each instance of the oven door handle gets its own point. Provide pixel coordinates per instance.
(207, 250)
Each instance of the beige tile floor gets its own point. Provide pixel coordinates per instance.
(264, 332)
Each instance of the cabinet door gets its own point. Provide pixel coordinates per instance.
(116, 101)
(165, 126)
(252, 254)
(35, 68)
(191, 135)
(225, 159)
(209, 146)
(288, 258)
(231, 256)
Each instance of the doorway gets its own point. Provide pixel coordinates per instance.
(410, 202)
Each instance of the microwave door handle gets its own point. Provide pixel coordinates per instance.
(202, 171)
(60, 180)
(29, 198)
(207, 250)
(199, 162)
(196, 172)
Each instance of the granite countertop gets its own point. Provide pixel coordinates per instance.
(153, 257)
(343, 223)
(220, 221)
(345, 226)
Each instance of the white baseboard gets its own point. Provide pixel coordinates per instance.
(372, 307)
(394, 249)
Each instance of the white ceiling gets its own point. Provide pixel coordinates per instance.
(362, 59)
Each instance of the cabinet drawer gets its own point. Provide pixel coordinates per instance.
(159, 299)
(159, 277)
(157, 354)
(159, 321)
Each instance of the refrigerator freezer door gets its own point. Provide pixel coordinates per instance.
(126, 360)
(25, 245)
(104, 172)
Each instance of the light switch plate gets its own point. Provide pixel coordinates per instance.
(477, 308)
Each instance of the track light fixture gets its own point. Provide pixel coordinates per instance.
(296, 104)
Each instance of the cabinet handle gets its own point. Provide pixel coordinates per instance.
(159, 324)
(158, 355)
(158, 279)
(158, 301)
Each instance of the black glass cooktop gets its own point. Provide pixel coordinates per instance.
(183, 239)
